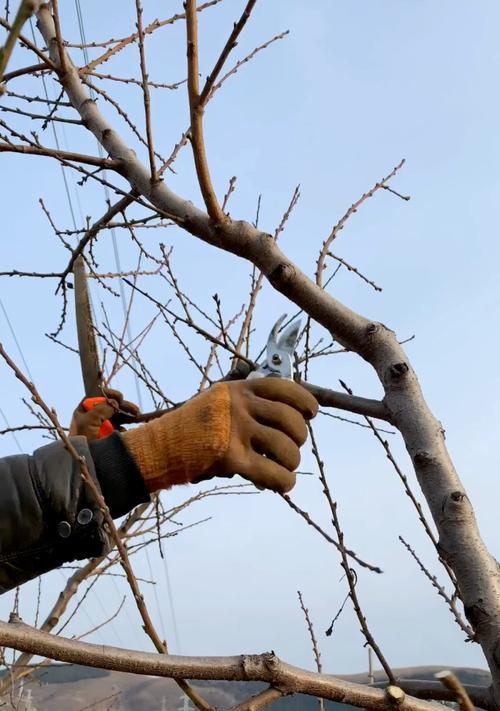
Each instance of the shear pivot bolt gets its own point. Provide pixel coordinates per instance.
(276, 359)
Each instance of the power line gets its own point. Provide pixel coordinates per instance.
(26, 366)
(171, 601)
(7, 424)
(13, 334)
(157, 599)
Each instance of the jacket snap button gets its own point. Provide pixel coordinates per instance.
(85, 516)
(64, 529)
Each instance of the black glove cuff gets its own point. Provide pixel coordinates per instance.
(121, 482)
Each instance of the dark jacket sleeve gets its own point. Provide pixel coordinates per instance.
(49, 516)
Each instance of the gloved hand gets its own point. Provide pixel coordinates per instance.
(227, 430)
(88, 423)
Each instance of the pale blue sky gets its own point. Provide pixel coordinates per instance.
(355, 87)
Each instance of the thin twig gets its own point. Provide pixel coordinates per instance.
(125, 41)
(450, 601)
(314, 642)
(409, 492)
(137, 82)
(354, 422)
(257, 279)
(327, 537)
(356, 271)
(96, 628)
(228, 47)
(246, 59)
(320, 265)
(145, 91)
(350, 575)
(230, 191)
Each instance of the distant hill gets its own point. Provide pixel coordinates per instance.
(65, 687)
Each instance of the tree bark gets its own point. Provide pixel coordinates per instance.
(246, 667)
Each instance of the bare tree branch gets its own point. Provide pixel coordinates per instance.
(314, 642)
(145, 91)
(349, 573)
(252, 667)
(228, 47)
(259, 701)
(450, 601)
(448, 679)
(352, 403)
(320, 266)
(105, 163)
(196, 110)
(425, 689)
(125, 41)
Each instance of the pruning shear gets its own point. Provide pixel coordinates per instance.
(108, 426)
(279, 352)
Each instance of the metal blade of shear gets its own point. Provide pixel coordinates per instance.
(280, 348)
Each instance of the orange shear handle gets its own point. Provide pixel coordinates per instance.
(107, 426)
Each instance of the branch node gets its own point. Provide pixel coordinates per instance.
(423, 459)
(398, 370)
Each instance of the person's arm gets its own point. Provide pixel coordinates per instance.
(48, 515)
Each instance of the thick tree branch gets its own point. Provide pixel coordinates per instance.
(434, 690)
(351, 403)
(452, 683)
(196, 110)
(252, 667)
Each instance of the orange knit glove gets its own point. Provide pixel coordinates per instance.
(226, 430)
